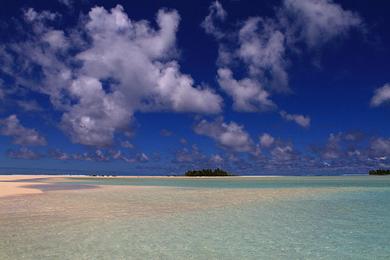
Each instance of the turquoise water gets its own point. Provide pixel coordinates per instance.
(246, 182)
(172, 218)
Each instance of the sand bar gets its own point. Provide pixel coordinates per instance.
(12, 185)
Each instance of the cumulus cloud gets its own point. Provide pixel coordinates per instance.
(189, 155)
(342, 152)
(216, 159)
(30, 15)
(340, 146)
(216, 14)
(380, 147)
(193, 157)
(29, 105)
(23, 153)
(96, 116)
(21, 135)
(228, 135)
(59, 155)
(318, 21)
(137, 158)
(332, 149)
(140, 157)
(67, 3)
(109, 67)
(127, 144)
(248, 94)
(283, 152)
(266, 140)
(260, 47)
(301, 120)
(100, 155)
(381, 96)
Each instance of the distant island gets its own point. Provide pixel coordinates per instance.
(379, 172)
(207, 172)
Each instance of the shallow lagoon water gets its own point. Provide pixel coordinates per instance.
(173, 218)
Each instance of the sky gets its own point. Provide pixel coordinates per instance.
(290, 87)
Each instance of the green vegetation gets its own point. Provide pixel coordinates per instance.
(379, 172)
(207, 172)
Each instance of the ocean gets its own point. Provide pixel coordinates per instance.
(343, 217)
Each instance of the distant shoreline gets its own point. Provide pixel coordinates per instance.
(23, 184)
(34, 175)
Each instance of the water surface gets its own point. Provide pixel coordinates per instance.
(202, 218)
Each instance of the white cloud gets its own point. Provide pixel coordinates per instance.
(229, 135)
(216, 159)
(23, 153)
(216, 14)
(193, 157)
(380, 147)
(59, 155)
(138, 158)
(97, 115)
(56, 39)
(248, 94)
(67, 3)
(266, 140)
(381, 96)
(137, 61)
(30, 15)
(101, 156)
(303, 121)
(142, 157)
(127, 144)
(318, 21)
(260, 47)
(283, 152)
(186, 155)
(332, 149)
(21, 135)
(29, 105)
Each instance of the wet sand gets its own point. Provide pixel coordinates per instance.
(12, 185)
(60, 197)
(17, 185)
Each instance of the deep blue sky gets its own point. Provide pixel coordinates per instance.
(332, 116)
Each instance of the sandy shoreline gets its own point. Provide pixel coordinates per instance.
(10, 188)
(37, 176)
(12, 185)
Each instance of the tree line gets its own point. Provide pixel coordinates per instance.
(379, 172)
(207, 172)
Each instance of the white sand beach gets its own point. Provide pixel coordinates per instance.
(11, 185)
